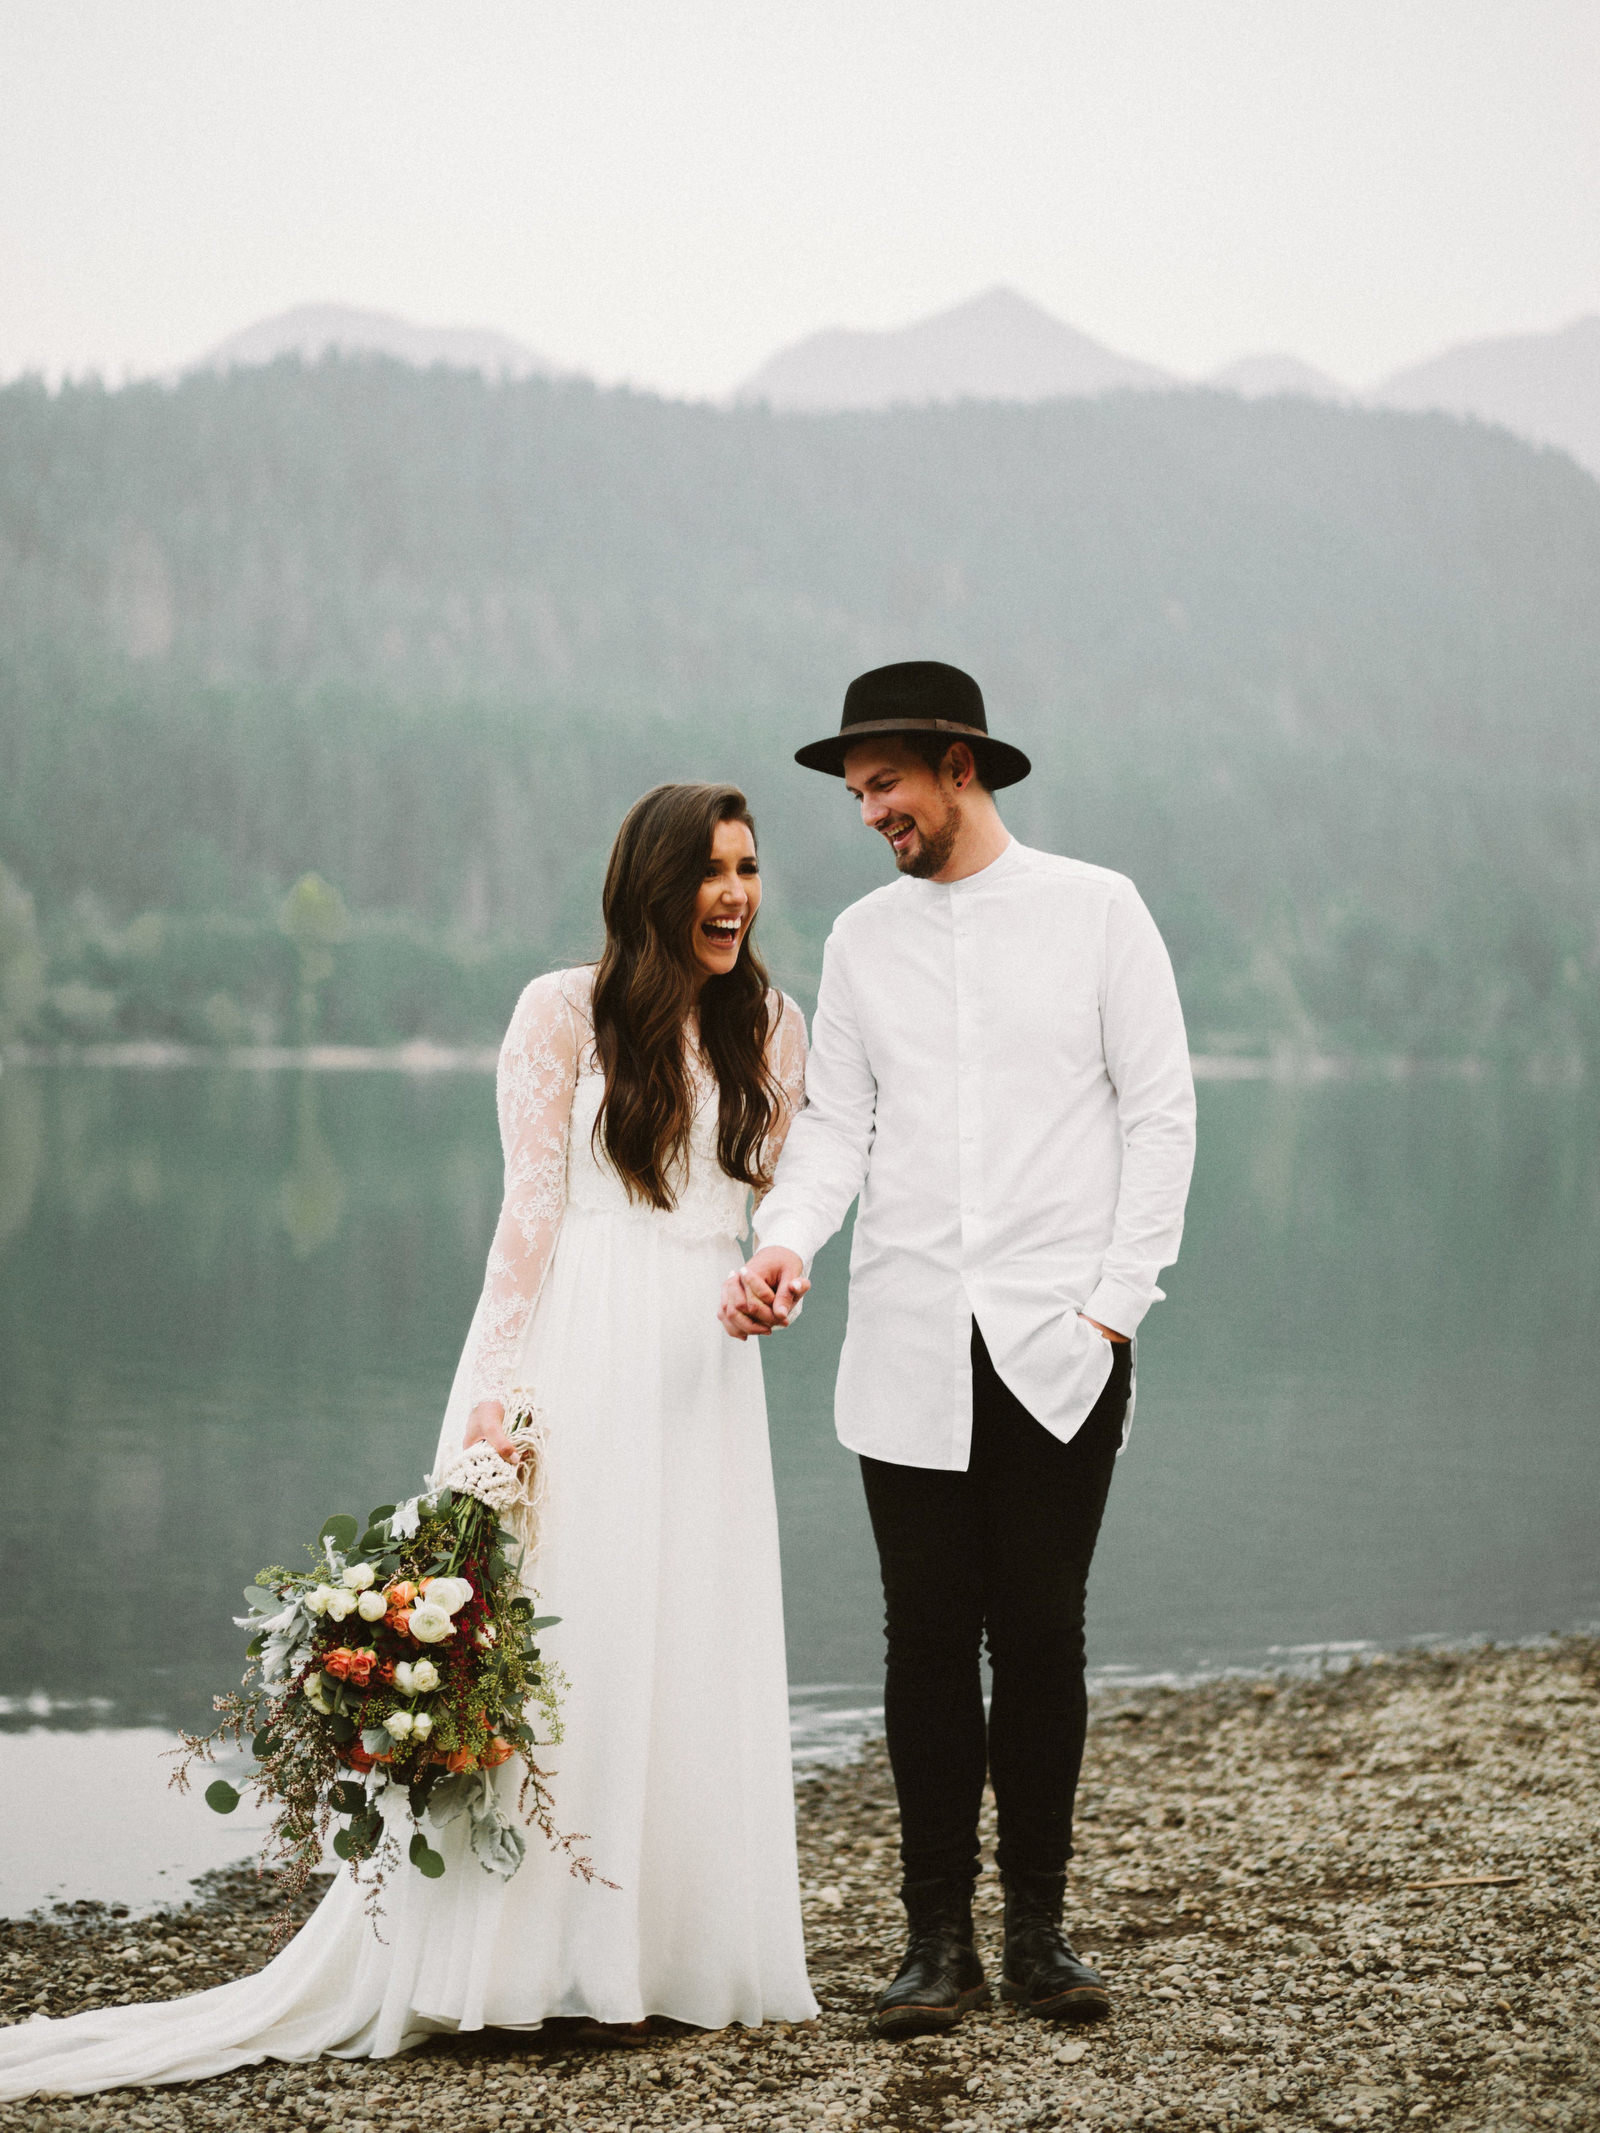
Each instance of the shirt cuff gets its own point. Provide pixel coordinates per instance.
(790, 1236)
(1113, 1304)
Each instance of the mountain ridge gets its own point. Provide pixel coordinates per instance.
(1542, 386)
(311, 331)
(1001, 346)
(997, 345)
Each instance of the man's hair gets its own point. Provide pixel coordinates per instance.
(934, 747)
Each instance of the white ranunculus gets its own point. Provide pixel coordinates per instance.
(405, 1679)
(317, 1599)
(429, 1624)
(488, 1635)
(421, 1726)
(371, 1606)
(452, 1594)
(340, 1603)
(398, 1725)
(314, 1695)
(424, 1676)
(358, 1576)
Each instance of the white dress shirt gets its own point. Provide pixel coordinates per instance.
(999, 1068)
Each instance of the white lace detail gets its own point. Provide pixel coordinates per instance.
(786, 1054)
(549, 1096)
(537, 1074)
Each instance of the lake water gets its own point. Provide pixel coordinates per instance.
(231, 1302)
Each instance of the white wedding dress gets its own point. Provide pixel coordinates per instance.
(658, 1548)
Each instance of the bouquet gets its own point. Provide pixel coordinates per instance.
(402, 1663)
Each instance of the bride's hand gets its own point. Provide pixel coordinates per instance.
(763, 1295)
(487, 1425)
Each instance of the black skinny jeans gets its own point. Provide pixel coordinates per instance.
(1001, 1551)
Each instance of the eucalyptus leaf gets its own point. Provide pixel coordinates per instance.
(544, 1622)
(377, 1517)
(262, 1599)
(424, 1858)
(221, 1797)
(348, 1797)
(341, 1728)
(264, 1744)
(341, 1843)
(341, 1530)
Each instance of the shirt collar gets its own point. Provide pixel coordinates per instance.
(1006, 863)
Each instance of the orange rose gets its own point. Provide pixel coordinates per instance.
(400, 1594)
(461, 1759)
(497, 1752)
(350, 1664)
(356, 1756)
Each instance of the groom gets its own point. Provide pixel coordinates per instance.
(999, 1069)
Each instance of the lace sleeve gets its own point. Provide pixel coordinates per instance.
(786, 1055)
(538, 1070)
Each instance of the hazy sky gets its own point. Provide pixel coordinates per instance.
(667, 190)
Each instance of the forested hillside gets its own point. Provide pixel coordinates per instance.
(1326, 682)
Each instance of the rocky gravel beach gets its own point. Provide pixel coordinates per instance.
(1362, 1900)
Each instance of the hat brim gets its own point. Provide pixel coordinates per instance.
(998, 762)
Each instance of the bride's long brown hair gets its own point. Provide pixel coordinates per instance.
(644, 991)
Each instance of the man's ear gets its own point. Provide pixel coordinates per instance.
(961, 764)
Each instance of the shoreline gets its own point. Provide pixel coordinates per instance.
(423, 1055)
(1356, 1899)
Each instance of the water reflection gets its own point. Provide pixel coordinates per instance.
(312, 1195)
(21, 1150)
(231, 1302)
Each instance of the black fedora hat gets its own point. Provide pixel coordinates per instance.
(917, 696)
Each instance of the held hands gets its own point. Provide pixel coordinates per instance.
(487, 1425)
(761, 1296)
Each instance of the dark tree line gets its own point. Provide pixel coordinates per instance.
(1325, 681)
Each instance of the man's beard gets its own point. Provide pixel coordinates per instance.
(933, 849)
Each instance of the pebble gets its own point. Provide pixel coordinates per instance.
(1253, 1876)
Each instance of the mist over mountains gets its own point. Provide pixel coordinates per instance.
(1323, 679)
(312, 331)
(1001, 346)
(1542, 385)
(997, 346)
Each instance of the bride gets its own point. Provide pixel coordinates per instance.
(640, 1102)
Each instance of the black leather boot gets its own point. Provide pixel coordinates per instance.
(941, 1976)
(1042, 1973)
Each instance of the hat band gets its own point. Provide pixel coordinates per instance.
(912, 725)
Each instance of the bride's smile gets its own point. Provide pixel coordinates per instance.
(727, 901)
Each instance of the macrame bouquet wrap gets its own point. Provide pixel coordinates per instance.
(388, 1683)
(513, 1488)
